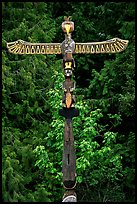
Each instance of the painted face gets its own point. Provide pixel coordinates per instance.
(68, 72)
(67, 26)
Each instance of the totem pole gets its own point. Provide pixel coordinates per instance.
(67, 48)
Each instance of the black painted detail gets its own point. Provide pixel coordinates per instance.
(69, 113)
(69, 184)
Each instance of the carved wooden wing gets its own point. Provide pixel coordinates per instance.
(109, 46)
(22, 47)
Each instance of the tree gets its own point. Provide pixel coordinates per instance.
(25, 105)
(32, 128)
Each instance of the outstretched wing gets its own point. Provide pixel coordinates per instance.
(109, 46)
(22, 47)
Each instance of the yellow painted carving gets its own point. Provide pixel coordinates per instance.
(68, 65)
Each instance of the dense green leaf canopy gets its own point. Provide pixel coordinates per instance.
(32, 130)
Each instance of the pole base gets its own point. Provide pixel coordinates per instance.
(70, 198)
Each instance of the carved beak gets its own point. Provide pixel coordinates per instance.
(67, 27)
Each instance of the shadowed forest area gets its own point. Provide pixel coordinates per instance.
(32, 129)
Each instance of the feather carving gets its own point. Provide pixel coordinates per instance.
(109, 46)
(23, 47)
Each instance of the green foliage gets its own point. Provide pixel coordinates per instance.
(49, 157)
(32, 130)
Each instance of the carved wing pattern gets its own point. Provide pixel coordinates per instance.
(110, 46)
(22, 47)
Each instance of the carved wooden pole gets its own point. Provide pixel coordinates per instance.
(68, 111)
(67, 48)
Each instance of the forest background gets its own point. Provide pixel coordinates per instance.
(32, 130)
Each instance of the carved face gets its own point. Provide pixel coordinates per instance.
(68, 72)
(68, 55)
(67, 26)
(68, 46)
